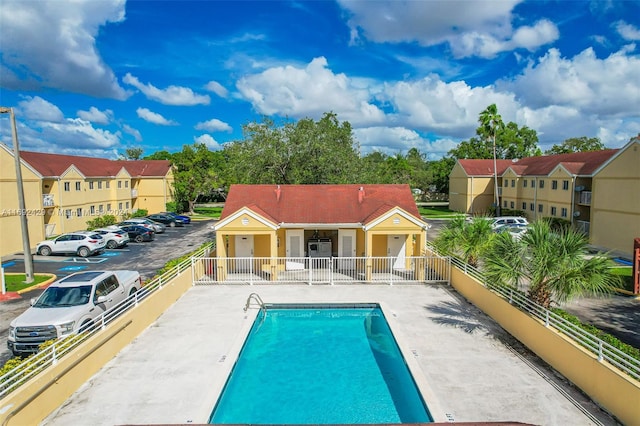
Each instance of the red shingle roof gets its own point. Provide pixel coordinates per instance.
(484, 167)
(577, 163)
(53, 165)
(320, 203)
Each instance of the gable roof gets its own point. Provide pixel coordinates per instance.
(478, 167)
(321, 204)
(576, 163)
(55, 165)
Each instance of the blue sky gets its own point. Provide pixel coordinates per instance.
(96, 77)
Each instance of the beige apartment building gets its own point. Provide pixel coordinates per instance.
(63, 192)
(598, 192)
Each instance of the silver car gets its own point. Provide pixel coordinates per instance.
(156, 227)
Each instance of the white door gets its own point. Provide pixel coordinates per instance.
(396, 248)
(244, 249)
(295, 249)
(347, 248)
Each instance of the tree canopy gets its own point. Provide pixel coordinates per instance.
(581, 144)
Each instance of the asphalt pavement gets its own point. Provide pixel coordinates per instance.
(146, 258)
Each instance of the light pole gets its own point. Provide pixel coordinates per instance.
(22, 209)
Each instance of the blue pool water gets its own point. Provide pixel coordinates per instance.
(321, 366)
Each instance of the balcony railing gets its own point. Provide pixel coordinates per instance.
(48, 200)
(585, 198)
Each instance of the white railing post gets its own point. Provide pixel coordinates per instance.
(331, 270)
(160, 281)
(104, 323)
(600, 351)
(54, 357)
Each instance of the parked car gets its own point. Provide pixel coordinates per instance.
(178, 217)
(157, 227)
(138, 233)
(82, 243)
(70, 305)
(508, 220)
(114, 236)
(516, 230)
(166, 220)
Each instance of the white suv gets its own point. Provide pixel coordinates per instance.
(114, 236)
(509, 220)
(82, 243)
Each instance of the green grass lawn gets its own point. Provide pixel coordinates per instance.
(625, 272)
(16, 282)
(209, 212)
(437, 212)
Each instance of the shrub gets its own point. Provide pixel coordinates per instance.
(101, 222)
(172, 206)
(140, 213)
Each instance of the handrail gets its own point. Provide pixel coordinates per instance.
(49, 356)
(603, 350)
(258, 299)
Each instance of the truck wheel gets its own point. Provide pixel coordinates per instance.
(85, 326)
(111, 244)
(133, 291)
(83, 252)
(44, 251)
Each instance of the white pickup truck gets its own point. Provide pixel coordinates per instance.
(70, 305)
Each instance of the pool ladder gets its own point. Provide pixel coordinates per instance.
(256, 297)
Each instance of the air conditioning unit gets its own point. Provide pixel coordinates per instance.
(576, 214)
(579, 188)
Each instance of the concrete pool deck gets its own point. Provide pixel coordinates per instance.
(473, 370)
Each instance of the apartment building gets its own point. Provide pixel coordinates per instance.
(598, 192)
(63, 192)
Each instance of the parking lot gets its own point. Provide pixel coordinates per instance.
(146, 258)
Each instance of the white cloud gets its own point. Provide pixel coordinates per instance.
(133, 132)
(80, 133)
(36, 108)
(606, 87)
(154, 118)
(172, 95)
(217, 88)
(391, 140)
(210, 142)
(49, 44)
(94, 115)
(214, 125)
(627, 31)
(478, 28)
(309, 92)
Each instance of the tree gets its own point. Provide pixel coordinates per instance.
(196, 173)
(552, 264)
(134, 153)
(581, 144)
(464, 239)
(491, 123)
(306, 152)
(159, 155)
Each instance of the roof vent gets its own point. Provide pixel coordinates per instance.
(360, 194)
(278, 193)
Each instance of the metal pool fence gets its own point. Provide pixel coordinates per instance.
(321, 270)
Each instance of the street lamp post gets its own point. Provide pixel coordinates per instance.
(28, 260)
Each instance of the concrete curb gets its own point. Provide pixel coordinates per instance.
(10, 295)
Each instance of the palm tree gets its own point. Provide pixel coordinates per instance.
(465, 239)
(553, 264)
(491, 122)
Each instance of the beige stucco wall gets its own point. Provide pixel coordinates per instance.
(615, 202)
(615, 391)
(35, 400)
(10, 222)
(470, 194)
(153, 193)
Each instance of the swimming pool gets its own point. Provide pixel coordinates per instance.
(320, 364)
